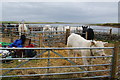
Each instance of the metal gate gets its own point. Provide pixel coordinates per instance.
(80, 68)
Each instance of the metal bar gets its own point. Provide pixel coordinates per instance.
(33, 35)
(68, 60)
(56, 67)
(53, 35)
(48, 61)
(23, 63)
(48, 74)
(46, 31)
(35, 44)
(66, 48)
(34, 39)
(52, 41)
(54, 38)
(88, 77)
(55, 58)
(29, 36)
(96, 77)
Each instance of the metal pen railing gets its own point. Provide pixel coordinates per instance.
(61, 57)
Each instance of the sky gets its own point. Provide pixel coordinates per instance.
(80, 12)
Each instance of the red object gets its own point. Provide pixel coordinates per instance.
(0, 45)
(30, 46)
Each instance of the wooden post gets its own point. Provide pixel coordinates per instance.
(40, 42)
(110, 33)
(115, 61)
(67, 35)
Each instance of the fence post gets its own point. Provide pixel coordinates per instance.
(110, 33)
(115, 61)
(67, 35)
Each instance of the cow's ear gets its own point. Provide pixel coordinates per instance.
(93, 43)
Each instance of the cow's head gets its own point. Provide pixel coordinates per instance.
(101, 52)
(84, 28)
(47, 29)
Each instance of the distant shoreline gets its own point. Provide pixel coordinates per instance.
(115, 25)
(16, 22)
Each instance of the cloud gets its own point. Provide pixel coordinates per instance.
(83, 12)
(60, 0)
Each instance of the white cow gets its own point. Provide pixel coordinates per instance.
(22, 28)
(46, 28)
(49, 28)
(63, 28)
(75, 40)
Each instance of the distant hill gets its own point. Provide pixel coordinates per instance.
(109, 24)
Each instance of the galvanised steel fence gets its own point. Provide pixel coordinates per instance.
(118, 72)
(49, 38)
(111, 70)
(38, 38)
(45, 37)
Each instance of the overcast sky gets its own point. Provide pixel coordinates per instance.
(82, 12)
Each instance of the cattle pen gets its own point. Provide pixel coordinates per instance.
(50, 56)
(113, 70)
